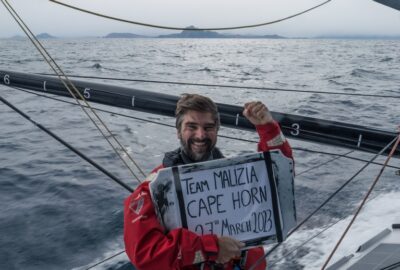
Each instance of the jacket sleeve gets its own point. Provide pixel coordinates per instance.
(148, 245)
(271, 137)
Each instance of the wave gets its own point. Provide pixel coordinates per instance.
(336, 82)
(372, 74)
(359, 72)
(206, 69)
(97, 66)
(386, 59)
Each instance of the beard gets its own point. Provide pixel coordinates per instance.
(194, 154)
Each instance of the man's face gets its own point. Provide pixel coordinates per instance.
(198, 134)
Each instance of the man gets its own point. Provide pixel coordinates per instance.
(147, 243)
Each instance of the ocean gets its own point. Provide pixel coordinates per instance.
(59, 212)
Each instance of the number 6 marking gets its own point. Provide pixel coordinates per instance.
(86, 93)
(7, 79)
(296, 130)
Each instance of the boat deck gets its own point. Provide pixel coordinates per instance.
(380, 252)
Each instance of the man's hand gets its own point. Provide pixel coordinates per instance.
(229, 248)
(257, 113)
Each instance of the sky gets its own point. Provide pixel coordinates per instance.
(337, 18)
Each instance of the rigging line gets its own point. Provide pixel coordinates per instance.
(182, 28)
(76, 151)
(65, 81)
(343, 141)
(221, 136)
(308, 135)
(168, 126)
(311, 238)
(340, 155)
(324, 163)
(324, 203)
(106, 259)
(326, 136)
(392, 266)
(363, 201)
(227, 86)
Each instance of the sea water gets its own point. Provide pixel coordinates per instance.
(58, 212)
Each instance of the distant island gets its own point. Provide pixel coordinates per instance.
(189, 32)
(124, 35)
(44, 36)
(39, 36)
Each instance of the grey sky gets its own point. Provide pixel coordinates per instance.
(339, 17)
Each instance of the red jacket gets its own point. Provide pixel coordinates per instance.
(148, 245)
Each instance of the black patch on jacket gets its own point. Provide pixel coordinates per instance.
(178, 157)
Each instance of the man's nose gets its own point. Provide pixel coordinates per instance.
(201, 133)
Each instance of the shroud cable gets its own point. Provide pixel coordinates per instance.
(182, 28)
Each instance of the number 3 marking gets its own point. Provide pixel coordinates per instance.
(296, 130)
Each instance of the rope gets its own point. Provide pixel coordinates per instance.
(363, 201)
(324, 163)
(106, 259)
(339, 155)
(71, 89)
(392, 266)
(227, 86)
(221, 136)
(344, 141)
(301, 149)
(194, 29)
(323, 204)
(76, 151)
(309, 239)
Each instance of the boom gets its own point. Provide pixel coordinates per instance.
(295, 126)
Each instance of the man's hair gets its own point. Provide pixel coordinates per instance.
(195, 102)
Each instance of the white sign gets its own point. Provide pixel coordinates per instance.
(231, 201)
(235, 197)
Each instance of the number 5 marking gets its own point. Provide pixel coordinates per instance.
(86, 93)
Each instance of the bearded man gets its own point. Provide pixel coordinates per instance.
(147, 243)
